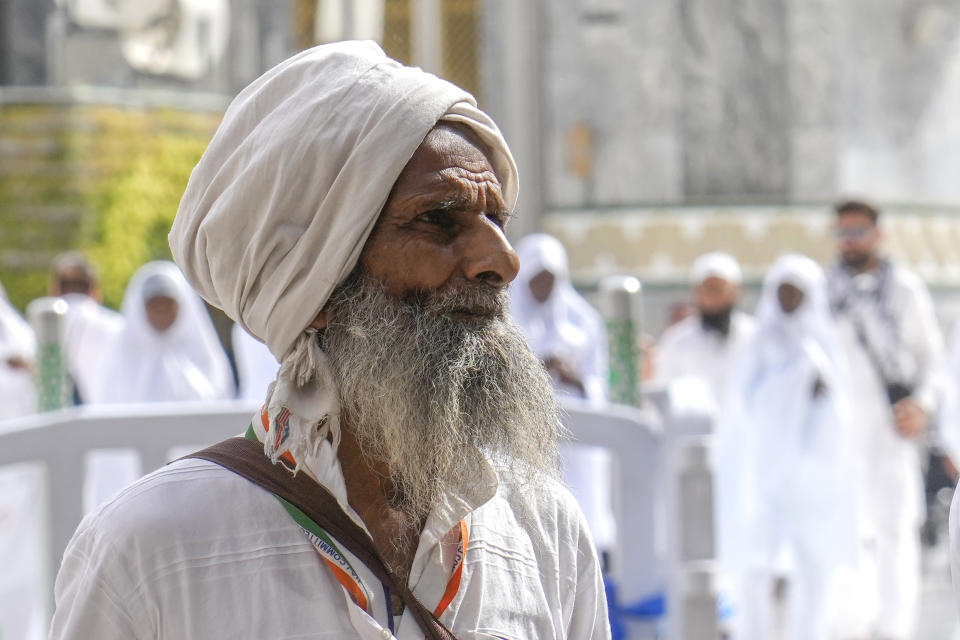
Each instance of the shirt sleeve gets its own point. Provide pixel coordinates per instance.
(88, 596)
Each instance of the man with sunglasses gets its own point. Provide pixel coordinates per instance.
(891, 341)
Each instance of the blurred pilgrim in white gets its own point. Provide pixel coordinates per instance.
(256, 366)
(786, 488)
(17, 353)
(705, 344)
(91, 329)
(891, 339)
(562, 329)
(168, 351)
(568, 335)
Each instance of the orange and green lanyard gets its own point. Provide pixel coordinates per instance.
(348, 577)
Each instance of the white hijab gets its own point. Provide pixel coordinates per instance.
(183, 363)
(281, 203)
(565, 325)
(17, 340)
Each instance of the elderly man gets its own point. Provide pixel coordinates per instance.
(349, 212)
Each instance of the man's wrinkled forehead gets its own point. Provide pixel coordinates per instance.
(452, 159)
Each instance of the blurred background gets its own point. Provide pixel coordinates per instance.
(646, 133)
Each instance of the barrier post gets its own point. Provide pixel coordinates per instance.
(48, 316)
(621, 304)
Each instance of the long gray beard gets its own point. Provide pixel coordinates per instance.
(433, 396)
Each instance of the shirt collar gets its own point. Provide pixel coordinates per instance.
(324, 468)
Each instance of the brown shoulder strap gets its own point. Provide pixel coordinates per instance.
(246, 458)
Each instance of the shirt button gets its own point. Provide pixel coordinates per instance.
(385, 634)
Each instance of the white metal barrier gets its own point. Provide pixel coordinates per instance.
(61, 441)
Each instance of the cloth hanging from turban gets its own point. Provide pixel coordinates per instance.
(280, 205)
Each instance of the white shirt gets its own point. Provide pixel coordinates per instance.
(193, 551)
(687, 349)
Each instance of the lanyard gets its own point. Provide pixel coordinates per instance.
(348, 577)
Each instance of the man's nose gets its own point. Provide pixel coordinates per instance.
(487, 254)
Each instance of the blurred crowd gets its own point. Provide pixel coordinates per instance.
(833, 399)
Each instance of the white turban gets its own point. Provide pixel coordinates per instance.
(281, 203)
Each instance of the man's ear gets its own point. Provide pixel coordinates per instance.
(320, 322)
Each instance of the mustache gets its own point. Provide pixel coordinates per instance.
(481, 300)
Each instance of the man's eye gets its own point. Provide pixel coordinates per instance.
(499, 219)
(437, 218)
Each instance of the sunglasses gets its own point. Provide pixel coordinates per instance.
(852, 233)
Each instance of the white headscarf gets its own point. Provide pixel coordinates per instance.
(279, 207)
(185, 362)
(565, 325)
(17, 396)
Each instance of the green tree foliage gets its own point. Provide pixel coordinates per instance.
(103, 179)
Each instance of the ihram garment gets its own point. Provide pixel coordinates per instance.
(785, 483)
(891, 309)
(183, 363)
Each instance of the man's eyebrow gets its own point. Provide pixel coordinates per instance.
(456, 204)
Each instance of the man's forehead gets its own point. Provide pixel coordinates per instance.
(449, 157)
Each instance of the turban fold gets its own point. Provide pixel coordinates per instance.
(279, 207)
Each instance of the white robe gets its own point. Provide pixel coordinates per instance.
(890, 482)
(184, 363)
(17, 394)
(785, 486)
(193, 552)
(91, 331)
(688, 350)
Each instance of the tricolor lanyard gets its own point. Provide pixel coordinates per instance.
(348, 577)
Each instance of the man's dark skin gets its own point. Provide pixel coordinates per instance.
(442, 226)
(161, 312)
(790, 297)
(858, 240)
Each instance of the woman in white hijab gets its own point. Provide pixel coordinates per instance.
(168, 351)
(785, 480)
(563, 330)
(17, 352)
(568, 335)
